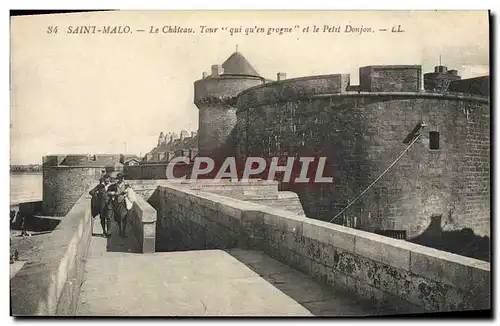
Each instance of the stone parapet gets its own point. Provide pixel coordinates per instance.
(49, 284)
(385, 271)
(142, 220)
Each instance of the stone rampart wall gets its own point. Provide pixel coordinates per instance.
(49, 284)
(386, 271)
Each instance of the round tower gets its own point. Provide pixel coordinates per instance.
(67, 177)
(215, 96)
(440, 79)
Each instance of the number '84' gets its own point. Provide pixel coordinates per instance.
(52, 30)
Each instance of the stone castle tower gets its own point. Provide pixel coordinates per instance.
(215, 97)
(67, 177)
(440, 79)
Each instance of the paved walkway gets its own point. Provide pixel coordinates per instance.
(121, 282)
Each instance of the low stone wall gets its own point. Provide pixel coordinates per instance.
(292, 89)
(142, 221)
(386, 271)
(49, 284)
(256, 191)
(286, 200)
(146, 188)
(249, 188)
(154, 171)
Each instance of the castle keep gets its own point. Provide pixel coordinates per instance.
(445, 173)
(362, 130)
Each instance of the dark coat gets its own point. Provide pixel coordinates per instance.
(119, 206)
(95, 208)
(101, 201)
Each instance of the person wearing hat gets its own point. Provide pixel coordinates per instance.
(94, 203)
(119, 191)
(103, 202)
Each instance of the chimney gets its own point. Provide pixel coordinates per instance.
(217, 70)
(204, 75)
(168, 137)
(161, 138)
(281, 76)
(184, 134)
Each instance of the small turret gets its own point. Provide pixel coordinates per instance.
(440, 79)
(215, 97)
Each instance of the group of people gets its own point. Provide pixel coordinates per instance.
(112, 201)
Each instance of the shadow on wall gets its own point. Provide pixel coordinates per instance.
(167, 240)
(461, 242)
(172, 241)
(154, 199)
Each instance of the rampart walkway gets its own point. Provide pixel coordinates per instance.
(118, 281)
(317, 268)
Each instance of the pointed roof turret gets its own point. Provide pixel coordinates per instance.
(237, 64)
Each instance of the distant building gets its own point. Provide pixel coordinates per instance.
(132, 162)
(170, 147)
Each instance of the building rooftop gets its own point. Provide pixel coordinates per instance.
(176, 145)
(237, 64)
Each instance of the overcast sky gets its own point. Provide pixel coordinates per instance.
(74, 93)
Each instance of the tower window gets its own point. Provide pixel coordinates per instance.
(433, 140)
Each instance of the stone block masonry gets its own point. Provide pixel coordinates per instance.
(361, 134)
(49, 284)
(215, 98)
(65, 178)
(385, 271)
(390, 78)
(142, 220)
(255, 191)
(64, 185)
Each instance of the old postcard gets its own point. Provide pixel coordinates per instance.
(250, 163)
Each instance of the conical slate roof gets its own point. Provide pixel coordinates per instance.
(237, 64)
